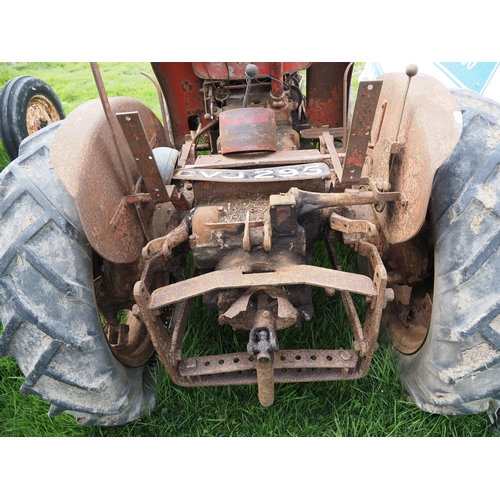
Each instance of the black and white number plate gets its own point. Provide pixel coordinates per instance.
(298, 172)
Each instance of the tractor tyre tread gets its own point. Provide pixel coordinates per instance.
(457, 370)
(47, 304)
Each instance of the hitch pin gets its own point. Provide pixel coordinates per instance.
(263, 343)
(265, 371)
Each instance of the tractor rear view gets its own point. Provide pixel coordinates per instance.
(114, 223)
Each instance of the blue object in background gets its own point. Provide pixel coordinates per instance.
(480, 77)
(472, 75)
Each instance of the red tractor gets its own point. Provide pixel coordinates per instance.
(113, 224)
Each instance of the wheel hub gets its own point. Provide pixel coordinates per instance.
(40, 113)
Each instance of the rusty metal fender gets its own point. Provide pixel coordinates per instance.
(429, 129)
(84, 157)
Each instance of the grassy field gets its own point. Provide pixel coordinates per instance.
(373, 406)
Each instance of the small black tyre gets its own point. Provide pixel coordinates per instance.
(27, 104)
(457, 370)
(47, 303)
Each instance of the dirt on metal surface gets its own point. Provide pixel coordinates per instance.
(359, 136)
(250, 210)
(252, 214)
(85, 137)
(246, 130)
(296, 275)
(430, 128)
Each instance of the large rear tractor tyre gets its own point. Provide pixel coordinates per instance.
(27, 104)
(457, 370)
(47, 302)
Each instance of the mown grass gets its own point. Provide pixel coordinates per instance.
(373, 406)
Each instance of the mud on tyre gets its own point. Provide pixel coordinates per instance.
(47, 303)
(457, 370)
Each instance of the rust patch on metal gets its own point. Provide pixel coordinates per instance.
(135, 135)
(287, 365)
(40, 113)
(236, 278)
(180, 87)
(284, 359)
(236, 70)
(84, 156)
(246, 130)
(325, 89)
(359, 135)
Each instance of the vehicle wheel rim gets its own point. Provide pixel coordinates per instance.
(130, 343)
(409, 338)
(41, 112)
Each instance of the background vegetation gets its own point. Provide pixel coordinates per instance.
(373, 406)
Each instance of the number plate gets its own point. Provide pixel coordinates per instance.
(299, 172)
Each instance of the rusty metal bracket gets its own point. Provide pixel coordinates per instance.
(360, 343)
(280, 365)
(359, 135)
(177, 198)
(383, 197)
(351, 226)
(131, 199)
(334, 157)
(308, 200)
(288, 365)
(237, 278)
(165, 244)
(316, 133)
(136, 138)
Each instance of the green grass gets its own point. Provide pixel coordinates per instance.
(373, 406)
(74, 83)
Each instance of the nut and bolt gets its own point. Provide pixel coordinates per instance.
(345, 355)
